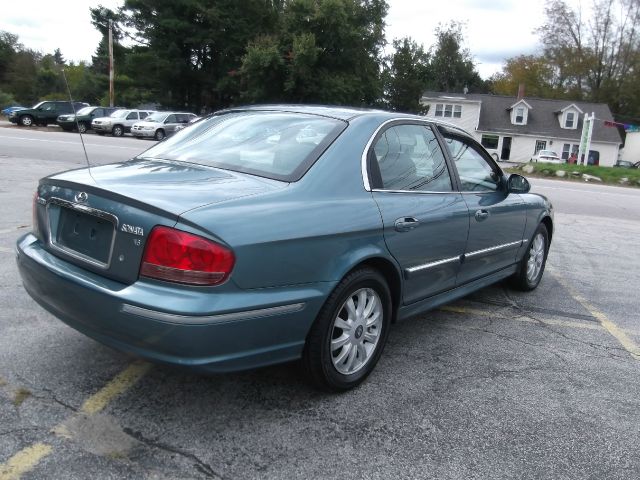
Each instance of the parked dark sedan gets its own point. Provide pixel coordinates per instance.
(267, 234)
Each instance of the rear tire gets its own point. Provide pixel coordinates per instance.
(117, 131)
(532, 265)
(26, 121)
(349, 334)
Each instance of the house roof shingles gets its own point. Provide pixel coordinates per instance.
(542, 119)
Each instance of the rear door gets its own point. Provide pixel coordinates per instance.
(496, 218)
(425, 219)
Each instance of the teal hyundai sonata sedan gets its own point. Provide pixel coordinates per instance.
(267, 234)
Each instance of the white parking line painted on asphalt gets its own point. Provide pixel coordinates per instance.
(69, 143)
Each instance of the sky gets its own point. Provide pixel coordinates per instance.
(493, 29)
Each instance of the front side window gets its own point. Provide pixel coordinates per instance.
(476, 173)
(278, 145)
(408, 157)
(48, 106)
(170, 119)
(132, 116)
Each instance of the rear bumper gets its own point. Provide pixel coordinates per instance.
(240, 329)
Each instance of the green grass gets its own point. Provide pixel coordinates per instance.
(609, 175)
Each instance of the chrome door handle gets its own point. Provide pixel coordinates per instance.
(481, 215)
(404, 224)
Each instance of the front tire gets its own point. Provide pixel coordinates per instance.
(82, 127)
(159, 136)
(26, 120)
(349, 334)
(532, 265)
(117, 131)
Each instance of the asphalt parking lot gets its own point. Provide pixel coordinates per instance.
(500, 384)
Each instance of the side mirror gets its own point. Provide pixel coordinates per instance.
(517, 184)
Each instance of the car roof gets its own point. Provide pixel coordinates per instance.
(343, 113)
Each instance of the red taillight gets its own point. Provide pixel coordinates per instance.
(177, 256)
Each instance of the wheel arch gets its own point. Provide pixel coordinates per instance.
(548, 222)
(389, 270)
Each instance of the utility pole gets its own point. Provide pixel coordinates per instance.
(111, 92)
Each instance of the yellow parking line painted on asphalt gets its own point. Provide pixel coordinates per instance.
(520, 318)
(28, 458)
(122, 382)
(625, 340)
(24, 461)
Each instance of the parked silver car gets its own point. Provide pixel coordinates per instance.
(161, 124)
(119, 122)
(546, 156)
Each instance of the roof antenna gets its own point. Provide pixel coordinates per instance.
(75, 116)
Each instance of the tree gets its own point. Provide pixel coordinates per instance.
(407, 73)
(594, 58)
(451, 64)
(330, 52)
(533, 71)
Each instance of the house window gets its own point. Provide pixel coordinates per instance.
(448, 110)
(490, 141)
(520, 115)
(569, 149)
(569, 120)
(540, 145)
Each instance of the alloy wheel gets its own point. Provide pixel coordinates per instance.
(356, 331)
(536, 257)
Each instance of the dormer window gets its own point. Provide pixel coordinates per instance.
(568, 116)
(569, 120)
(519, 112)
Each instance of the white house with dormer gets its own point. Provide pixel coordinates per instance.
(514, 129)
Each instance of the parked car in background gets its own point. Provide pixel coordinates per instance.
(44, 113)
(82, 119)
(191, 122)
(119, 122)
(9, 110)
(159, 125)
(262, 235)
(547, 156)
(627, 164)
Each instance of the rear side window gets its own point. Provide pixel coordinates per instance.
(408, 157)
(278, 145)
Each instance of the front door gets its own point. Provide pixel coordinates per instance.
(425, 220)
(496, 218)
(506, 148)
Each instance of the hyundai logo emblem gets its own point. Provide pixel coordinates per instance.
(81, 197)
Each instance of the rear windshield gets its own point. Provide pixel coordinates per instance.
(278, 145)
